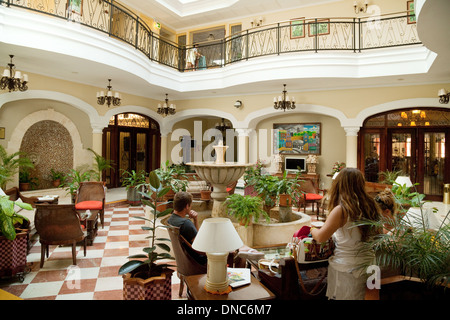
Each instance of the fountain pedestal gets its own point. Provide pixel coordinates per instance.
(220, 175)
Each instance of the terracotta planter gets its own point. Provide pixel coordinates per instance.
(169, 195)
(285, 200)
(24, 186)
(205, 194)
(13, 257)
(56, 183)
(154, 288)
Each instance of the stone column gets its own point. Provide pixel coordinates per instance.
(352, 146)
(243, 144)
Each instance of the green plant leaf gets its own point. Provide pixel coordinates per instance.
(130, 266)
(163, 246)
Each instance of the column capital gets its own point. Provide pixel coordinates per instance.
(351, 131)
(243, 132)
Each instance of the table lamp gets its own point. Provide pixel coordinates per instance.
(401, 180)
(217, 237)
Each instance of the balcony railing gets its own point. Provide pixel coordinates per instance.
(303, 35)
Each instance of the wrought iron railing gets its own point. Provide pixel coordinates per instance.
(302, 35)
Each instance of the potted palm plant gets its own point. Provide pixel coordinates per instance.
(73, 178)
(246, 209)
(10, 164)
(13, 239)
(133, 181)
(172, 177)
(413, 249)
(102, 165)
(143, 277)
(286, 188)
(57, 177)
(26, 180)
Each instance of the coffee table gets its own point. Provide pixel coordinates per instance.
(90, 222)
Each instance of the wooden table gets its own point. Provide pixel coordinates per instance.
(90, 223)
(253, 291)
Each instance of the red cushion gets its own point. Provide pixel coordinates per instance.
(89, 205)
(313, 196)
(229, 189)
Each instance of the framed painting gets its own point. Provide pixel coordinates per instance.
(297, 28)
(75, 6)
(322, 27)
(297, 138)
(411, 13)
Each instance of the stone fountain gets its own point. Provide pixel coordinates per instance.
(219, 174)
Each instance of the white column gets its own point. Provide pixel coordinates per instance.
(352, 146)
(243, 144)
(97, 140)
(164, 146)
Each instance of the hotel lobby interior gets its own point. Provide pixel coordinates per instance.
(148, 83)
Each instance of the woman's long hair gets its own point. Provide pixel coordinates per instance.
(348, 191)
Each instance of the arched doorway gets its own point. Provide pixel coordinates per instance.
(132, 142)
(413, 141)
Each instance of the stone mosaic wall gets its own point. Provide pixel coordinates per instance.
(49, 144)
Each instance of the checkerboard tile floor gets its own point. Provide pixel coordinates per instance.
(96, 276)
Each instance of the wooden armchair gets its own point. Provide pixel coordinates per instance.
(15, 194)
(186, 264)
(58, 225)
(91, 196)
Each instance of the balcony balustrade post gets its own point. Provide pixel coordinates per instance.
(360, 34)
(246, 47)
(316, 37)
(137, 33)
(278, 38)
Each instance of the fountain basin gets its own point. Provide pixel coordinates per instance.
(263, 234)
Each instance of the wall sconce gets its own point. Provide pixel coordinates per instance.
(362, 9)
(443, 96)
(257, 22)
(238, 104)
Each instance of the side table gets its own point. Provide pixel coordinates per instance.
(90, 222)
(253, 291)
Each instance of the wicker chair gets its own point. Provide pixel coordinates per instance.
(91, 196)
(58, 225)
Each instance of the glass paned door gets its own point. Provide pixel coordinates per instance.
(434, 160)
(403, 154)
(124, 152)
(141, 151)
(372, 144)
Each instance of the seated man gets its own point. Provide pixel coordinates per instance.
(188, 229)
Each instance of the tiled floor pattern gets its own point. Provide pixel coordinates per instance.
(96, 276)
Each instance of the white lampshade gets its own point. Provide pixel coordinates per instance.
(442, 92)
(217, 235)
(401, 180)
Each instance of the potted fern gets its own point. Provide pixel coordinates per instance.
(246, 209)
(143, 277)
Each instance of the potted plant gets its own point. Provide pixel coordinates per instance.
(10, 164)
(286, 188)
(246, 209)
(74, 177)
(57, 177)
(205, 191)
(413, 249)
(143, 278)
(133, 182)
(266, 187)
(102, 165)
(172, 177)
(13, 240)
(26, 181)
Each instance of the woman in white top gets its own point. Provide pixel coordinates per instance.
(349, 202)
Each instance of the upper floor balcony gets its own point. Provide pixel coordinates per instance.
(303, 48)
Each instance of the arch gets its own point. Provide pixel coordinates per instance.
(104, 120)
(252, 119)
(80, 155)
(75, 102)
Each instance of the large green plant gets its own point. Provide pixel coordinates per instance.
(74, 177)
(246, 208)
(8, 217)
(10, 165)
(151, 255)
(411, 246)
(266, 186)
(133, 179)
(290, 186)
(173, 177)
(102, 165)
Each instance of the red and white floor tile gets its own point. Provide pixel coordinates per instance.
(95, 276)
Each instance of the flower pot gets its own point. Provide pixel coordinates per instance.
(205, 194)
(285, 200)
(169, 195)
(133, 197)
(153, 288)
(24, 186)
(13, 257)
(56, 183)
